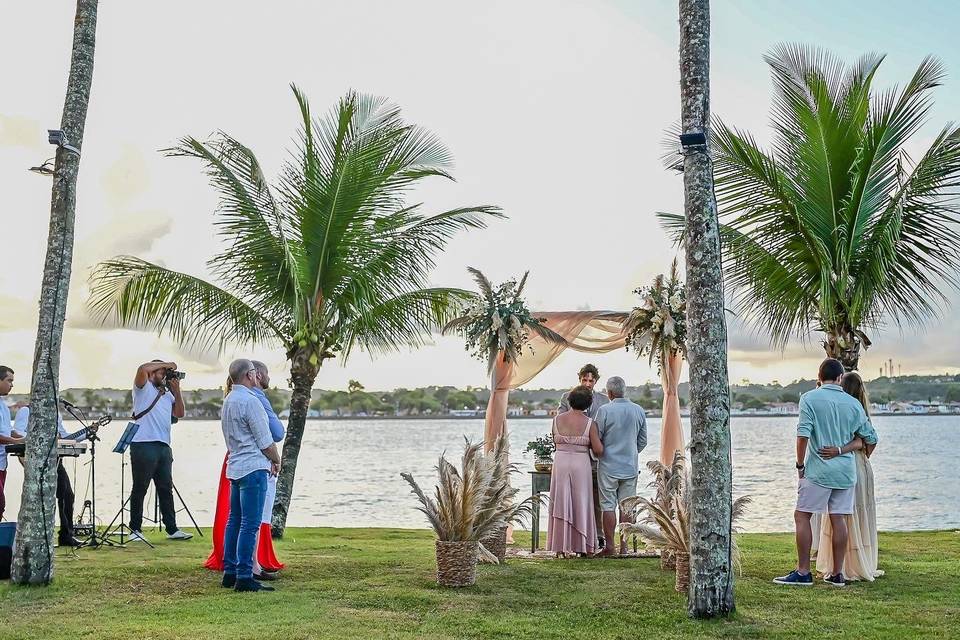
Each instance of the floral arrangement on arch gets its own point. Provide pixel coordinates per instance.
(497, 319)
(659, 325)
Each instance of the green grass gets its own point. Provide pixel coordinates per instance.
(378, 583)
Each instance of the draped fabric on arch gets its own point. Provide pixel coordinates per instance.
(671, 433)
(584, 331)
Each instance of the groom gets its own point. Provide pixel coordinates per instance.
(828, 416)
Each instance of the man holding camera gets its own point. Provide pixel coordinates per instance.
(156, 402)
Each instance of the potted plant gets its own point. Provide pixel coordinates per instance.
(470, 505)
(663, 523)
(543, 449)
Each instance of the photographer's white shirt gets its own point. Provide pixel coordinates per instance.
(155, 426)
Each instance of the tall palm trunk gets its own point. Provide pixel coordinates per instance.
(33, 552)
(711, 584)
(303, 375)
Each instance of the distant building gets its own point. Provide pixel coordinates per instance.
(540, 413)
(464, 413)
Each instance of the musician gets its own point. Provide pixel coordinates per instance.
(156, 401)
(65, 495)
(6, 436)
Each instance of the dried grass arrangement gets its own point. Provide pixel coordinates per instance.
(471, 504)
(664, 522)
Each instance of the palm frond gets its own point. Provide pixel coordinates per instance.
(833, 228)
(405, 320)
(139, 294)
(262, 258)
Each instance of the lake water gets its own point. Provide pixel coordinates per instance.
(349, 471)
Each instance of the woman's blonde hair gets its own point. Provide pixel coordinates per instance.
(853, 384)
(228, 385)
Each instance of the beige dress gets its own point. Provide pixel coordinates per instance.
(862, 551)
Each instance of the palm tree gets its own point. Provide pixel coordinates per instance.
(836, 228)
(33, 553)
(711, 498)
(328, 260)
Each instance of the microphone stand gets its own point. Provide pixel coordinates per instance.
(92, 540)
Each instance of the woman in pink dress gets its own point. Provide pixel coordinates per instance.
(573, 528)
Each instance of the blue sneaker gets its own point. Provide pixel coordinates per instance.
(835, 580)
(795, 579)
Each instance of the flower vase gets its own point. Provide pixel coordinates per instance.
(543, 464)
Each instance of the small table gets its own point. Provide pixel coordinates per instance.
(539, 483)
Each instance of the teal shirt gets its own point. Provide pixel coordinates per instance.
(829, 417)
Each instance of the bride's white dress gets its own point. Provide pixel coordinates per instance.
(862, 552)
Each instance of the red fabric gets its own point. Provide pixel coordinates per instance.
(265, 553)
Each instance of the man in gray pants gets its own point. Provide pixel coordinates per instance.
(623, 430)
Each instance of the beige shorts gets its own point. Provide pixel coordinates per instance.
(613, 490)
(812, 498)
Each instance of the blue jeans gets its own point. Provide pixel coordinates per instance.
(246, 509)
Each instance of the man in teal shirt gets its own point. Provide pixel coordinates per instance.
(829, 419)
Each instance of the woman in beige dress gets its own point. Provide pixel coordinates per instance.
(862, 550)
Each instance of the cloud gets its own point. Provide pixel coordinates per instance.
(126, 178)
(17, 131)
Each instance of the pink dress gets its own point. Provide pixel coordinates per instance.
(573, 527)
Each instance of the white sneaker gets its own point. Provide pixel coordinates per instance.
(137, 536)
(179, 535)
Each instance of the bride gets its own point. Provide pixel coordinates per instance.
(862, 551)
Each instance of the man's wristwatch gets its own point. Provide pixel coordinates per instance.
(800, 465)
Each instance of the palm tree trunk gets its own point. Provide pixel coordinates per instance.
(844, 345)
(33, 549)
(711, 584)
(303, 376)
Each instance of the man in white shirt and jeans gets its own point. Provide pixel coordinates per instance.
(252, 457)
(151, 457)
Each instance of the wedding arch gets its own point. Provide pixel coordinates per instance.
(594, 332)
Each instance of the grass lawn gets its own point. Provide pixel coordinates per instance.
(378, 583)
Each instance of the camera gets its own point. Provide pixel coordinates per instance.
(172, 374)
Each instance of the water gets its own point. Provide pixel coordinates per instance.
(348, 475)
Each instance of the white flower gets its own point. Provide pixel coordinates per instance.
(497, 321)
(648, 304)
(668, 326)
(676, 302)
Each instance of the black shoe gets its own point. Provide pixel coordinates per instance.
(69, 542)
(265, 575)
(249, 584)
(835, 581)
(229, 580)
(601, 543)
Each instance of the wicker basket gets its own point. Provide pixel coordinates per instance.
(668, 560)
(457, 563)
(497, 543)
(683, 572)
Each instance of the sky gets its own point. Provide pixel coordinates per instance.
(553, 109)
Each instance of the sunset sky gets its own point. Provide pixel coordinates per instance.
(554, 110)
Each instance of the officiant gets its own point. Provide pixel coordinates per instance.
(589, 375)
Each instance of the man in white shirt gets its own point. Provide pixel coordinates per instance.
(156, 401)
(252, 457)
(65, 495)
(6, 437)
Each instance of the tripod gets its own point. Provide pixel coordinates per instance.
(156, 520)
(121, 531)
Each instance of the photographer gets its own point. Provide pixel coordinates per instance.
(156, 402)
